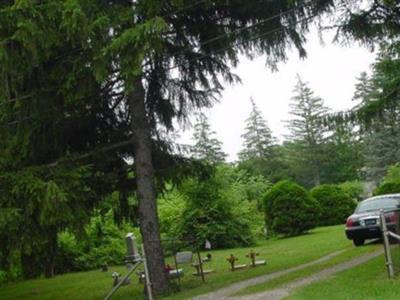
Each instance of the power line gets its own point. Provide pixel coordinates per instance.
(206, 42)
(239, 30)
(263, 34)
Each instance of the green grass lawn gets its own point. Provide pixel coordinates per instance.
(279, 253)
(282, 280)
(367, 281)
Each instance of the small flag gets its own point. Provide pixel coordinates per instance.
(207, 244)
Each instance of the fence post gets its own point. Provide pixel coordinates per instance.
(386, 244)
(146, 272)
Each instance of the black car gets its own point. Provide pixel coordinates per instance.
(364, 223)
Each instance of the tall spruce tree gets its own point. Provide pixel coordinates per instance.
(307, 131)
(133, 49)
(206, 147)
(258, 140)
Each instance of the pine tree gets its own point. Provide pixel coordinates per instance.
(206, 147)
(307, 131)
(258, 139)
(129, 47)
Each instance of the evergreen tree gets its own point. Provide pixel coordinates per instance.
(206, 147)
(258, 140)
(344, 155)
(307, 132)
(377, 114)
(363, 89)
(133, 49)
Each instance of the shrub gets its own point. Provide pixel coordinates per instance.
(335, 204)
(216, 209)
(354, 189)
(103, 242)
(388, 187)
(289, 209)
(393, 173)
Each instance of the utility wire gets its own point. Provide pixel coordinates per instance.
(263, 34)
(206, 42)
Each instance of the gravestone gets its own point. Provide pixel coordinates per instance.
(184, 257)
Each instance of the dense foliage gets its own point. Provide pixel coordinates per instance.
(224, 209)
(289, 209)
(335, 204)
(354, 189)
(391, 182)
(389, 187)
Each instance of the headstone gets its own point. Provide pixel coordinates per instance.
(132, 252)
(184, 257)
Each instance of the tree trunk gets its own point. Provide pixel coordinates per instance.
(50, 254)
(5, 255)
(30, 267)
(148, 218)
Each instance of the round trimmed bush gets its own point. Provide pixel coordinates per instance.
(336, 205)
(289, 209)
(389, 187)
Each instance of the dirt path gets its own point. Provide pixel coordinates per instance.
(279, 293)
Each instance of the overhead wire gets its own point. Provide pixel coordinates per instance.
(206, 42)
(201, 56)
(127, 142)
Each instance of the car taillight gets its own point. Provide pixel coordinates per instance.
(349, 222)
(393, 217)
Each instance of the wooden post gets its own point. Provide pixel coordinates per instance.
(174, 250)
(201, 267)
(386, 244)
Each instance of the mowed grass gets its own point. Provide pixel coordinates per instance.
(346, 255)
(279, 253)
(364, 282)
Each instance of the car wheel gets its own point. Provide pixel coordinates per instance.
(358, 242)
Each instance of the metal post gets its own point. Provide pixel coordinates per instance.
(146, 272)
(122, 281)
(386, 244)
(201, 267)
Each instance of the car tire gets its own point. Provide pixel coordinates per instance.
(358, 242)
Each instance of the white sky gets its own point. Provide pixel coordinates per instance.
(330, 70)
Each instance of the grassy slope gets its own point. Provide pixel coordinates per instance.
(368, 281)
(280, 254)
(280, 281)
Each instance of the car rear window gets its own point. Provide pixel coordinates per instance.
(381, 203)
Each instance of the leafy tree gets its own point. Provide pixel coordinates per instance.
(355, 189)
(307, 131)
(391, 182)
(388, 187)
(289, 209)
(335, 204)
(206, 147)
(393, 173)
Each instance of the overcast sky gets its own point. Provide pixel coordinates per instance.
(330, 70)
